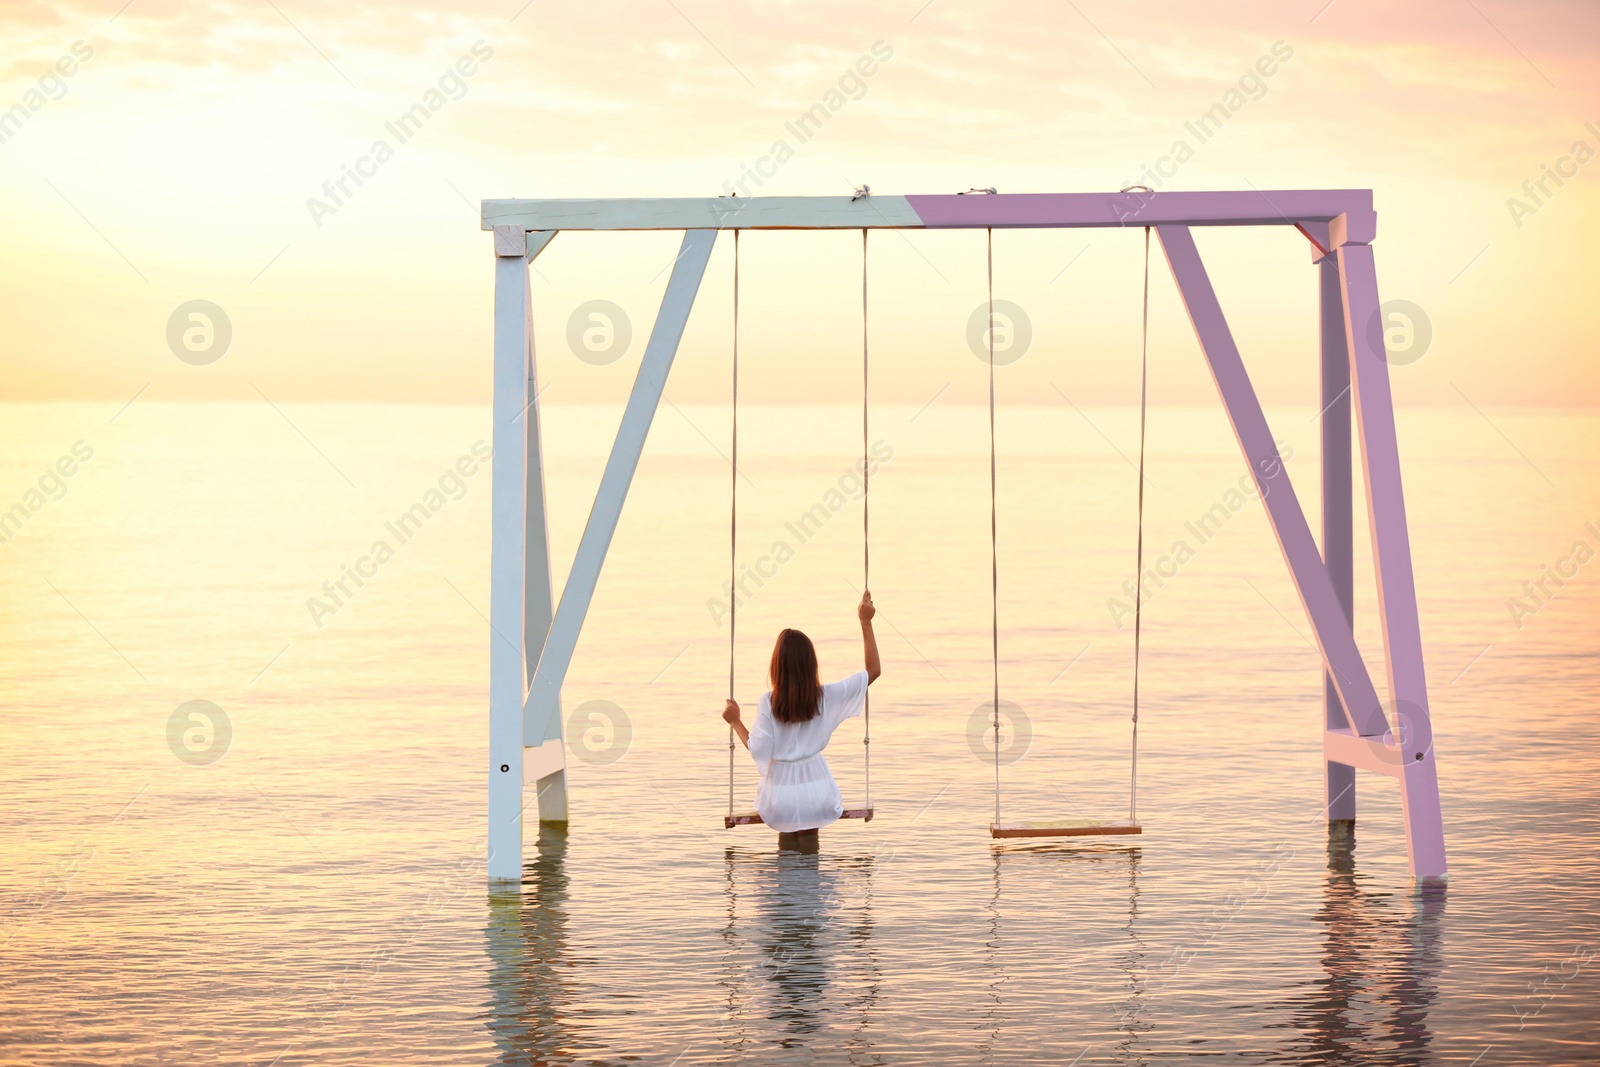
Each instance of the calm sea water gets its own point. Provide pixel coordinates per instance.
(305, 885)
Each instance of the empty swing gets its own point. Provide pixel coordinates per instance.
(1070, 827)
(865, 812)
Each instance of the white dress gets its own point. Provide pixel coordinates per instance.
(797, 790)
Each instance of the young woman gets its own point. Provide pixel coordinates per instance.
(797, 794)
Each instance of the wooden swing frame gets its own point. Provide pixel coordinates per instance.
(533, 637)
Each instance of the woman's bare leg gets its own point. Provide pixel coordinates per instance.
(798, 841)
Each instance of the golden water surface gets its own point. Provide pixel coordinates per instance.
(292, 872)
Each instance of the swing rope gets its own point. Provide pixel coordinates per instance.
(1070, 829)
(994, 543)
(733, 518)
(866, 540)
(1138, 576)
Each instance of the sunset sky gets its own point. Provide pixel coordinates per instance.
(185, 155)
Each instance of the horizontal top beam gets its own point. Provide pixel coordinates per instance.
(1294, 207)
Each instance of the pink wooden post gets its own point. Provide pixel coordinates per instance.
(1391, 550)
(1338, 536)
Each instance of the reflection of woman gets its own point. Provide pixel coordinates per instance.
(799, 952)
(793, 725)
(795, 959)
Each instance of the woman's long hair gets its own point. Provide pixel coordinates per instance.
(796, 687)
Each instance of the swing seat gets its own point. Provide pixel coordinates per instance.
(751, 818)
(1065, 828)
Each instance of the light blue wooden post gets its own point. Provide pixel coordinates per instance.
(544, 757)
(507, 561)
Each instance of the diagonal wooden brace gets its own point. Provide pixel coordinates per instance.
(556, 653)
(1328, 622)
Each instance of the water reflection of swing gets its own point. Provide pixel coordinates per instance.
(1381, 967)
(800, 971)
(526, 942)
(1130, 960)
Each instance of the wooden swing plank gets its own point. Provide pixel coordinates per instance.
(1064, 828)
(751, 818)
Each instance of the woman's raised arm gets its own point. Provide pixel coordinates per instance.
(869, 640)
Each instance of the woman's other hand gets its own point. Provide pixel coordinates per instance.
(730, 714)
(866, 610)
